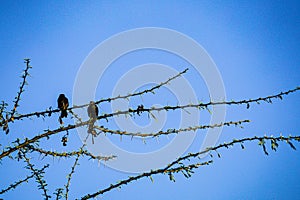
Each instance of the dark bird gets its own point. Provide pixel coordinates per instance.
(93, 112)
(63, 104)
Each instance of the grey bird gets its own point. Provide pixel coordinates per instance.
(93, 112)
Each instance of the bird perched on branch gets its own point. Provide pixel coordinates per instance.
(63, 104)
(93, 112)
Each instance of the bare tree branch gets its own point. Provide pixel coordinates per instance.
(38, 175)
(17, 183)
(49, 112)
(169, 169)
(169, 131)
(146, 174)
(70, 154)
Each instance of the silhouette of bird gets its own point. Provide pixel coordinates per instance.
(63, 104)
(93, 112)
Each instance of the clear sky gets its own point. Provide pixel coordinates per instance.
(255, 46)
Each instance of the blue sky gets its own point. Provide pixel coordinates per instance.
(255, 46)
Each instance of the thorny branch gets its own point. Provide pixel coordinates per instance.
(169, 169)
(17, 183)
(169, 131)
(267, 99)
(146, 174)
(200, 106)
(31, 145)
(70, 154)
(69, 127)
(23, 83)
(38, 175)
(69, 176)
(36, 138)
(11, 118)
(49, 112)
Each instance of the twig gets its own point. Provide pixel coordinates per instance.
(169, 131)
(38, 175)
(70, 154)
(21, 89)
(69, 176)
(146, 174)
(17, 183)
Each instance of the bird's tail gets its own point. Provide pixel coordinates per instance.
(91, 126)
(64, 114)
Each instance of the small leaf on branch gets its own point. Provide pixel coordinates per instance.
(171, 177)
(153, 116)
(151, 179)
